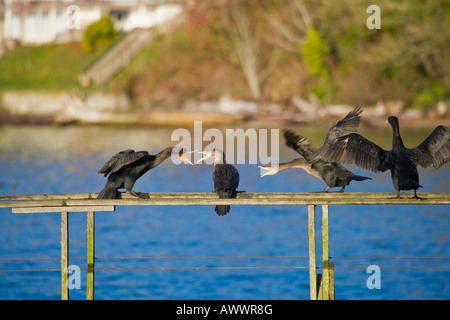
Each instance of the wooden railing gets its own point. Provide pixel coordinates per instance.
(321, 286)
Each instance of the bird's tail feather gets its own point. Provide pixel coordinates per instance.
(107, 193)
(360, 178)
(222, 210)
(417, 186)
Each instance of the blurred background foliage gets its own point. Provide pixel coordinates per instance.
(99, 35)
(275, 49)
(270, 50)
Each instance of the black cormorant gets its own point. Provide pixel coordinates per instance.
(401, 161)
(333, 174)
(125, 167)
(225, 177)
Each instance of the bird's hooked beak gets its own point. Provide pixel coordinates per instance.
(208, 154)
(270, 171)
(183, 157)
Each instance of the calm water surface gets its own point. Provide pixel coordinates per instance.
(40, 160)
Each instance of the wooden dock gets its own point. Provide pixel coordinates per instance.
(321, 285)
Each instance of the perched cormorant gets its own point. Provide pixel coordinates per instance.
(125, 167)
(333, 174)
(401, 161)
(225, 177)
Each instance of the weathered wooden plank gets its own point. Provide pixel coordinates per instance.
(331, 265)
(90, 255)
(212, 195)
(59, 209)
(325, 254)
(319, 287)
(81, 196)
(64, 255)
(312, 252)
(305, 200)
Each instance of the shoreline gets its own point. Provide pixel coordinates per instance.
(101, 108)
(187, 119)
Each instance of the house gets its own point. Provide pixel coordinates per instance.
(34, 22)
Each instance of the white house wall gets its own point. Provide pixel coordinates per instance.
(146, 17)
(38, 24)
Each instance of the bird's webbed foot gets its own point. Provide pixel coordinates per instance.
(396, 197)
(327, 189)
(143, 195)
(323, 191)
(342, 190)
(417, 197)
(139, 195)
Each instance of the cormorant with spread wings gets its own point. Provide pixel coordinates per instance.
(401, 161)
(332, 173)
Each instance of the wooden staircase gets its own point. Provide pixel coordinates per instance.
(116, 58)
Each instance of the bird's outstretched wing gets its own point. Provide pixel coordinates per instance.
(121, 159)
(107, 167)
(345, 126)
(299, 144)
(434, 150)
(348, 125)
(353, 148)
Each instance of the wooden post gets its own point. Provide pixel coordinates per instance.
(319, 287)
(90, 255)
(326, 253)
(64, 255)
(312, 252)
(331, 265)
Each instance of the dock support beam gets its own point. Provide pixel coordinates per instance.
(324, 287)
(64, 255)
(90, 255)
(331, 265)
(326, 253)
(312, 252)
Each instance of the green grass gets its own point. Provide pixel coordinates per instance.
(49, 67)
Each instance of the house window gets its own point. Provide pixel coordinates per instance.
(118, 15)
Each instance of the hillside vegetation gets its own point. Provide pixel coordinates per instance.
(270, 51)
(49, 67)
(273, 50)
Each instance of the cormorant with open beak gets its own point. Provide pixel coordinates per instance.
(125, 167)
(332, 173)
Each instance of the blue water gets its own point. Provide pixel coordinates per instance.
(39, 160)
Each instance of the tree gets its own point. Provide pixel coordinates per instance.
(99, 35)
(240, 19)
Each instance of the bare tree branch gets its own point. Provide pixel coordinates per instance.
(242, 40)
(304, 13)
